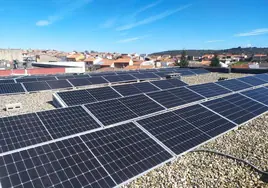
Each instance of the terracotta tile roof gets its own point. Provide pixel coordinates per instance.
(73, 56)
(132, 67)
(107, 62)
(205, 62)
(260, 55)
(122, 60)
(89, 59)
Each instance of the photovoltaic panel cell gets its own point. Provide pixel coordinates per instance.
(125, 151)
(175, 97)
(127, 89)
(81, 76)
(205, 120)
(127, 77)
(103, 93)
(57, 84)
(173, 131)
(199, 71)
(237, 108)
(141, 105)
(259, 94)
(20, 80)
(110, 112)
(113, 79)
(163, 84)
(234, 84)
(185, 72)
(11, 88)
(67, 121)
(145, 87)
(36, 86)
(162, 74)
(209, 89)
(176, 82)
(151, 75)
(166, 99)
(97, 80)
(21, 131)
(252, 80)
(7, 81)
(46, 78)
(262, 77)
(80, 82)
(61, 164)
(65, 77)
(76, 97)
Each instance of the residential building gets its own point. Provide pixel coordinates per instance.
(75, 57)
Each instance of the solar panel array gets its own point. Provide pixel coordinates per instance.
(107, 144)
(86, 96)
(70, 81)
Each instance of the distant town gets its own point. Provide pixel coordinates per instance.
(105, 61)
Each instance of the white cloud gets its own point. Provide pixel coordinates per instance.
(109, 23)
(146, 8)
(152, 18)
(253, 32)
(43, 23)
(67, 10)
(214, 41)
(131, 39)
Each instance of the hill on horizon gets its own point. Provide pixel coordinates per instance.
(235, 51)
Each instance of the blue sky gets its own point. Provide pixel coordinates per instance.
(133, 26)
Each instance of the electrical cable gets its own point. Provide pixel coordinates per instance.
(234, 158)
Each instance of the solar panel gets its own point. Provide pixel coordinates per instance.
(237, 108)
(66, 163)
(209, 89)
(11, 88)
(76, 97)
(36, 86)
(185, 72)
(97, 80)
(199, 71)
(163, 84)
(262, 77)
(259, 94)
(110, 112)
(20, 80)
(113, 79)
(145, 87)
(141, 105)
(103, 74)
(163, 74)
(7, 81)
(81, 76)
(67, 121)
(65, 77)
(127, 77)
(127, 89)
(80, 82)
(173, 131)
(252, 80)
(47, 78)
(57, 84)
(205, 120)
(234, 84)
(125, 151)
(103, 93)
(150, 75)
(21, 131)
(175, 97)
(176, 82)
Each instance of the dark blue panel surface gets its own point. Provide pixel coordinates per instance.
(125, 151)
(36, 86)
(62, 164)
(76, 97)
(11, 88)
(127, 89)
(57, 84)
(234, 84)
(209, 89)
(103, 93)
(97, 80)
(145, 87)
(251, 80)
(80, 82)
(259, 94)
(67, 121)
(21, 131)
(237, 108)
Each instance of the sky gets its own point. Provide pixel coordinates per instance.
(142, 26)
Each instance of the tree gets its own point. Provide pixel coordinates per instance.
(183, 62)
(215, 62)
